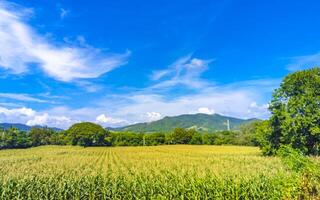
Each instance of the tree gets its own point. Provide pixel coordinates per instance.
(208, 138)
(182, 136)
(87, 134)
(154, 138)
(196, 138)
(248, 133)
(262, 131)
(41, 136)
(59, 138)
(13, 138)
(295, 110)
(224, 137)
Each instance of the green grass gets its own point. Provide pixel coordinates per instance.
(161, 172)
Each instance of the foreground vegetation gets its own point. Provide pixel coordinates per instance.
(159, 172)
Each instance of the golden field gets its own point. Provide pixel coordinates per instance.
(158, 172)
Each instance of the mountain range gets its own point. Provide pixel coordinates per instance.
(23, 127)
(200, 122)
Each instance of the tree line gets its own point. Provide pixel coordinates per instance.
(90, 134)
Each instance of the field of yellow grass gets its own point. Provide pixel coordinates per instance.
(159, 172)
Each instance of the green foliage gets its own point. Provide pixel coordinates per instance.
(208, 138)
(41, 136)
(224, 137)
(307, 170)
(262, 132)
(243, 137)
(59, 138)
(87, 134)
(248, 133)
(295, 109)
(196, 138)
(182, 136)
(154, 139)
(295, 159)
(126, 139)
(13, 138)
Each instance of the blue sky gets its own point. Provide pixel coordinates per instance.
(122, 62)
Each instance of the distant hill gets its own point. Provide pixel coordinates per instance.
(22, 127)
(200, 122)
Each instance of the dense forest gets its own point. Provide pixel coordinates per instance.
(90, 134)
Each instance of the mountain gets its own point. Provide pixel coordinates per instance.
(22, 127)
(201, 122)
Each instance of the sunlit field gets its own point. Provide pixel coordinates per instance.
(160, 172)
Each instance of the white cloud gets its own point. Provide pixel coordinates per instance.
(105, 120)
(20, 45)
(28, 112)
(256, 110)
(304, 62)
(153, 116)
(186, 71)
(52, 121)
(31, 117)
(205, 110)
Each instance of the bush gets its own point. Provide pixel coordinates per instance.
(307, 170)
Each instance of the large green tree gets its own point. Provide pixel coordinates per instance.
(87, 134)
(295, 110)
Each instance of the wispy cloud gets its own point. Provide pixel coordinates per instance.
(63, 13)
(23, 97)
(186, 71)
(88, 86)
(21, 45)
(304, 62)
(9, 104)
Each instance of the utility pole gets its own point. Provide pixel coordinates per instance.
(228, 124)
(144, 140)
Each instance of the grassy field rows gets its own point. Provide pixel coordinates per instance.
(160, 172)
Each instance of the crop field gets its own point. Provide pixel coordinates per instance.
(160, 172)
